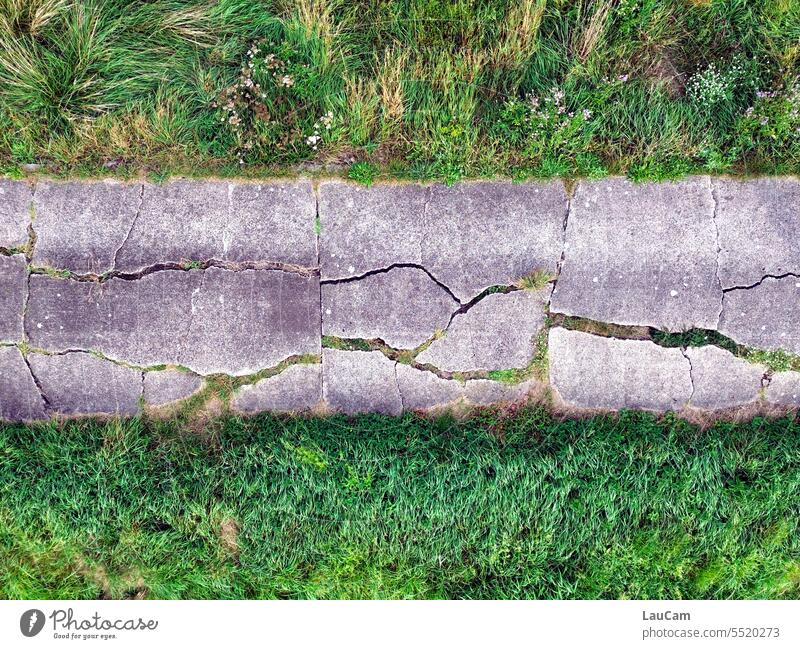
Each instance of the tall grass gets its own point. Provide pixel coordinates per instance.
(420, 86)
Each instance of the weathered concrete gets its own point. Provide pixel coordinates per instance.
(589, 371)
(421, 390)
(641, 254)
(298, 388)
(765, 316)
(497, 333)
(212, 321)
(166, 387)
(13, 285)
(784, 389)
(759, 229)
(356, 382)
(481, 392)
(469, 237)
(82, 384)
(235, 222)
(80, 225)
(20, 399)
(15, 213)
(720, 380)
(403, 307)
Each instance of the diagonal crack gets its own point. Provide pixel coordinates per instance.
(691, 374)
(42, 394)
(370, 273)
(130, 229)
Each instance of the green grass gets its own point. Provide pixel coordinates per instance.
(412, 88)
(495, 506)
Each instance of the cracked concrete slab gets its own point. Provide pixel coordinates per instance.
(403, 307)
(16, 198)
(483, 392)
(80, 225)
(234, 222)
(765, 316)
(641, 254)
(590, 371)
(359, 382)
(20, 399)
(421, 390)
(13, 286)
(759, 229)
(469, 237)
(212, 321)
(497, 333)
(298, 388)
(82, 384)
(169, 386)
(721, 380)
(784, 389)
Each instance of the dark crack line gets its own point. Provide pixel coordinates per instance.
(235, 267)
(715, 200)
(563, 256)
(691, 374)
(130, 229)
(358, 278)
(759, 282)
(36, 382)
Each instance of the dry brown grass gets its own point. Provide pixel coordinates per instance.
(391, 71)
(519, 33)
(595, 29)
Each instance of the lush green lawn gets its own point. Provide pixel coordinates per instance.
(420, 88)
(497, 506)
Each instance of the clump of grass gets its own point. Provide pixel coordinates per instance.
(363, 172)
(535, 281)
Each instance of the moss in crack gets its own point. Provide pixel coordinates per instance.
(535, 281)
(605, 329)
(51, 272)
(347, 344)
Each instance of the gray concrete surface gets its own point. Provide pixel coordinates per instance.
(784, 389)
(421, 390)
(13, 286)
(166, 387)
(16, 199)
(20, 399)
(720, 380)
(357, 382)
(298, 388)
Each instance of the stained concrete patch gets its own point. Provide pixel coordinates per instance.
(166, 387)
(212, 321)
(403, 307)
(765, 316)
(482, 392)
(641, 254)
(357, 382)
(721, 380)
(496, 333)
(20, 399)
(80, 225)
(298, 388)
(421, 390)
(589, 371)
(234, 222)
(759, 228)
(469, 237)
(13, 285)
(784, 389)
(82, 384)
(15, 213)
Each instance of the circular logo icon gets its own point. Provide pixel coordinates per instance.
(31, 622)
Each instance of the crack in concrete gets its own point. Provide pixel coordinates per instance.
(370, 273)
(42, 395)
(562, 258)
(759, 282)
(130, 229)
(691, 375)
(713, 190)
(234, 267)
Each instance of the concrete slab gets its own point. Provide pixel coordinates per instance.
(236, 222)
(80, 225)
(469, 237)
(212, 321)
(82, 384)
(497, 333)
(482, 392)
(13, 286)
(765, 316)
(298, 388)
(759, 228)
(403, 307)
(16, 199)
(20, 399)
(590, 371)
(421, 390)
(166, 387)
(357, 382)
(721, 380)
(641, 254)
(784, 389)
